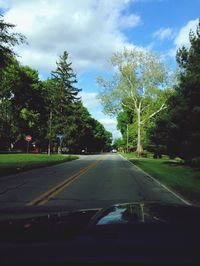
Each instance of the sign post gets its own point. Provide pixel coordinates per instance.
(60, 147)
(49, 145)
(28, 138)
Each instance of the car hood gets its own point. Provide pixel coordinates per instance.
(45, 223)
(143, 213)
(126, 213)
(134, 232)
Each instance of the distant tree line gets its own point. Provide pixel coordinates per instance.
(43, 109)
(154, 114)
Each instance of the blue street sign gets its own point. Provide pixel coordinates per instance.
(60, 136)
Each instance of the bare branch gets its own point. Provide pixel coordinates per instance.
(140, 103)
(154, 113)
(126, 105)
(131, 85)
(145, 107)
(134, 100)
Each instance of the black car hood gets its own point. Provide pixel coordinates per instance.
(126, 213)
(46, 223)
(147, 213)
(138, 233)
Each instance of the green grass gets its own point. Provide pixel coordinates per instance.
(180, 178)
(14, 163)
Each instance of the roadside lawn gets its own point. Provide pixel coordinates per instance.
(14, 163)
(182, 179)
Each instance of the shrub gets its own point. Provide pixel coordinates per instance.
(195, 162)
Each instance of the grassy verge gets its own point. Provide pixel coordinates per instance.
(14, 163)
(180, 178)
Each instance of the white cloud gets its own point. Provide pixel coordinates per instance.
(172, 52)
(90, 99)
(93, 105)
(110, 124)
(182, 38)
(129, 21)
(90, 30)
(163, 34)
(109, 121)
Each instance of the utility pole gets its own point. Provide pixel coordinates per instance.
(50, 125)
(127, 136)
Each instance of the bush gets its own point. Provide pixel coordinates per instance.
(144, 154)
(157, 155)
(195, 162)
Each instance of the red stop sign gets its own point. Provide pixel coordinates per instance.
(28, 138)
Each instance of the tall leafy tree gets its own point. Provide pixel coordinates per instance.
(127, 126)
(9, 80)
(8, 40)
(136, 86)
(21, 105)
(28, 105)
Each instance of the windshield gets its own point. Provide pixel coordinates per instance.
(99, 103)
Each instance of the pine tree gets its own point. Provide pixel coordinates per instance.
(64, 96)
(65, 79)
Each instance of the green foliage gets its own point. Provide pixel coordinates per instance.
(43, 109)
(178, 129)
(29, 106)
(90, 135)
(21, 104)
(135, 94)
(119, 144)
(68, 115)
(7, 41)
(61, 100)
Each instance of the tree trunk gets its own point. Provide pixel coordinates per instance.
(139, 145)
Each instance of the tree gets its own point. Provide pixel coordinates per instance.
(92, 134)
(102, 138)
(119, 144)
(65, 79)
(21, 105)
(136, 86)
(180, 125)
(7, 42)
(62, 97)
(126, 125)
(8, 77)
(28, 105)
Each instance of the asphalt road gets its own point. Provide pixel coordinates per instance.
(93, 181)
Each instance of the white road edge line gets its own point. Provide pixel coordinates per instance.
(169, 190)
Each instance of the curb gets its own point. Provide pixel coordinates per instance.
(162, 185)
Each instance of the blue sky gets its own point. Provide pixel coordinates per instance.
(91, 30)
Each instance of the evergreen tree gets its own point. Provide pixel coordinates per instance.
(63, 97)
(178, 129)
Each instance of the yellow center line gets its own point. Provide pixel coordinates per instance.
(52, 192)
